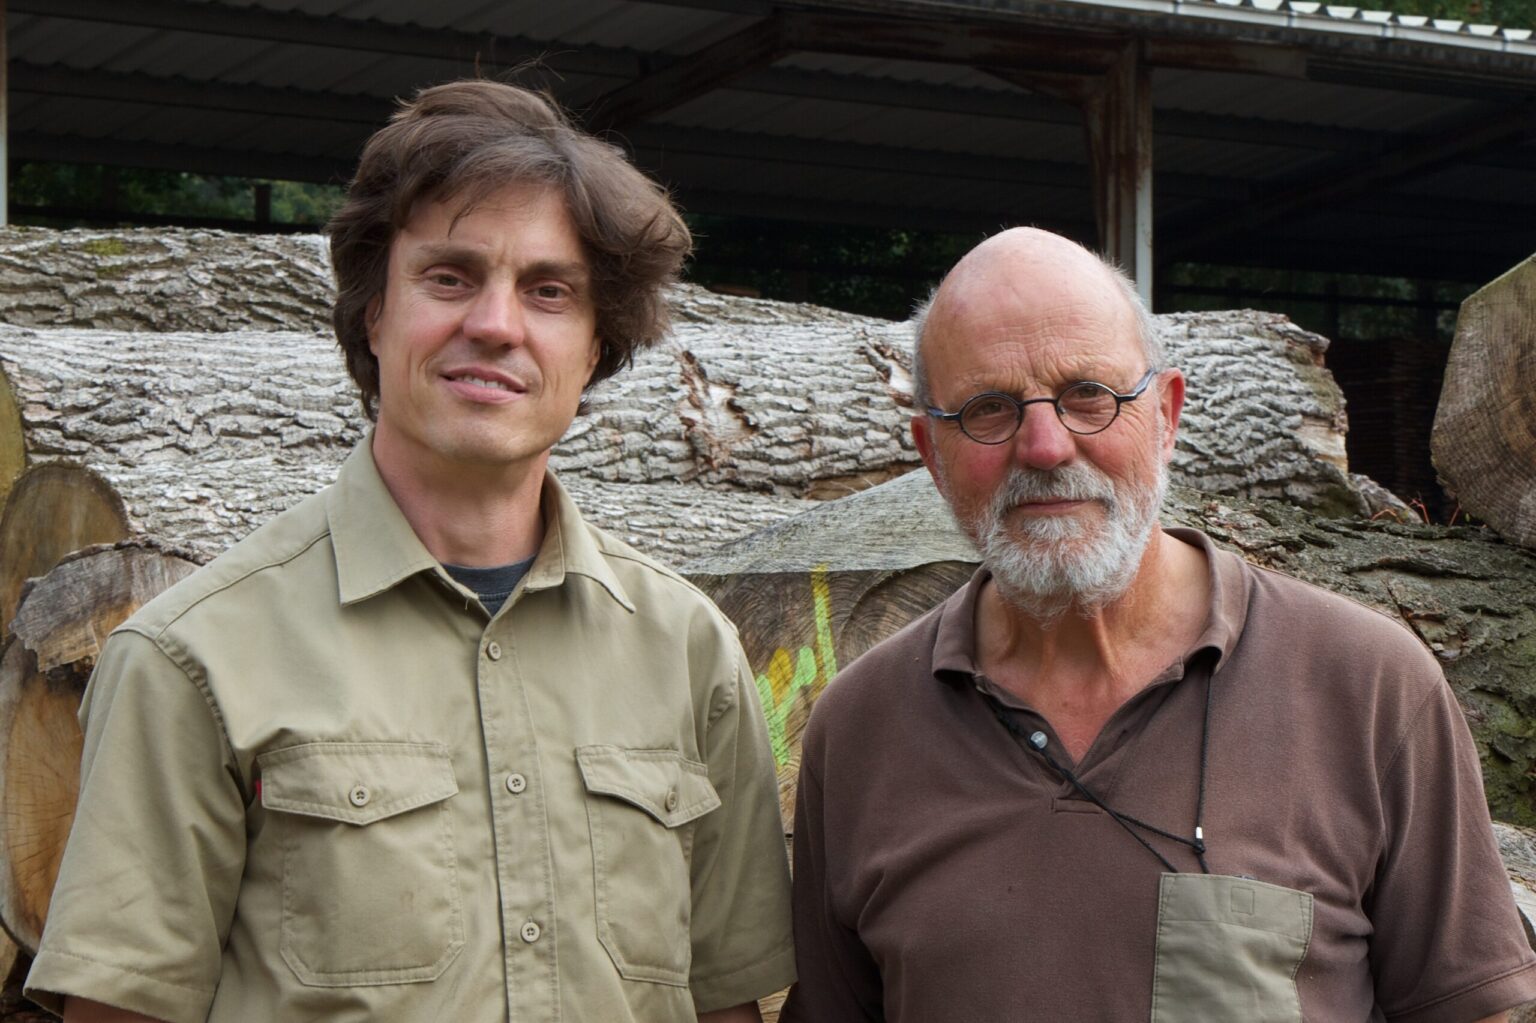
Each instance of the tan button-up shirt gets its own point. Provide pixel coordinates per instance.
(319, 783)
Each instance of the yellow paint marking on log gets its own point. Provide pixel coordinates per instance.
(808, 668)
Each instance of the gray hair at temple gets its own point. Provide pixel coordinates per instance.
(1146, 331)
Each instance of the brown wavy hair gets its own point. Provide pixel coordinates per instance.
(466, 140)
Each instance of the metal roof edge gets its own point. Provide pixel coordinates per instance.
(1307, 16)
(1311, 16)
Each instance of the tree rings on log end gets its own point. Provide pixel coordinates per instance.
(40, 745)
(54, 509)
(13, 445)
(799, 628)
(59, 628)
(1484, 439)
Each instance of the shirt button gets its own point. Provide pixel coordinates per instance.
(672, 800)
(531, 932)
(516, 783)
(359, 795)
(493, 650)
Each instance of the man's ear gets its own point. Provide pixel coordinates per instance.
(922, 436)
(371, 313)
(1171, 400)
(592, 359)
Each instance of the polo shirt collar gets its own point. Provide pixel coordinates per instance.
(376, 548)
(954, 647)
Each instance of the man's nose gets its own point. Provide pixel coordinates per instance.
(496, 316)
(1042, 441)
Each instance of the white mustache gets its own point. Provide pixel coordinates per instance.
(1075, 481)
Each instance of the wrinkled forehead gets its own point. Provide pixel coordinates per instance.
(1044, 319)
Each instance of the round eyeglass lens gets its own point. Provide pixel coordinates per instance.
(1087, 407)
(989, 418)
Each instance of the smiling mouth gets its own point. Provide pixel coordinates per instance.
(482, 382)
(476, 383)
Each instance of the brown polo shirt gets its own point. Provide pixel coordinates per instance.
(321, 783)
(944, 872)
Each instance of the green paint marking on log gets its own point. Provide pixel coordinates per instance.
(808, 669)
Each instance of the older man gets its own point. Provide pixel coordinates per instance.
(427, 747)
(1123, 775)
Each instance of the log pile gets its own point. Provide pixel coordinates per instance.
(189, 410)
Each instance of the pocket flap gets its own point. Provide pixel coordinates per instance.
(355, 782)
(662, 782)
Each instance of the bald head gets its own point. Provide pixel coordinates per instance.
(1023, 279)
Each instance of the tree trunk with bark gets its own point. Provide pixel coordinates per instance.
(746, 411)
(164, 280)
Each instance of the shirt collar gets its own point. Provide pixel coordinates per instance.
(954, 647)
(570, 548)
(376, 548)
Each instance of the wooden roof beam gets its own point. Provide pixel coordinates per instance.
(470, 49)
(1342, 180)
(756, 46)
(117, 87)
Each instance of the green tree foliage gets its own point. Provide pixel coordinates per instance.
(66, 194)
(874, 271)
(1509, 13)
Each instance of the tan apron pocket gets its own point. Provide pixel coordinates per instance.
(1228, 949)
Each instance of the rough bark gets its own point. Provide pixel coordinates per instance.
(1484, 439)
(164, 279)
(54, 508)
(63, 620)
(816, 590)
(208, 435)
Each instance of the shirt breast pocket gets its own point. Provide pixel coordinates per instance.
(370, 873)
(642, 805)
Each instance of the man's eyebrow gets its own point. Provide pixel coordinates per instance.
(569, 270)
(475, 258)
(448, 252)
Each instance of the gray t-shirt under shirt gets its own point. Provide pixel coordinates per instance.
(492, 585)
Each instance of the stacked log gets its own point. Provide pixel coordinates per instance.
(1484, 439)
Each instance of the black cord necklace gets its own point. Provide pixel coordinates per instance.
(1037, 741)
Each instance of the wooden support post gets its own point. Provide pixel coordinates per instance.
(1117, 112)
(5, 133)
(1119, 119)
(263, 197)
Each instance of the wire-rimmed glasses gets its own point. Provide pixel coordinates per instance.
(1086, 407)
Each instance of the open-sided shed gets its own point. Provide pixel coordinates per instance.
(1258, 132)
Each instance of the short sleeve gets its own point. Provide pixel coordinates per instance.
(742, 944)
(147, 887)
(837, 977)
(1447, 943)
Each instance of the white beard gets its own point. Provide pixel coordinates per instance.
(1047, 566)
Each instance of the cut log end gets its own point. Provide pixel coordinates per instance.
(40, 747)
(1484, 439)
(13, 442)
(54, 509)
(62, 621)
